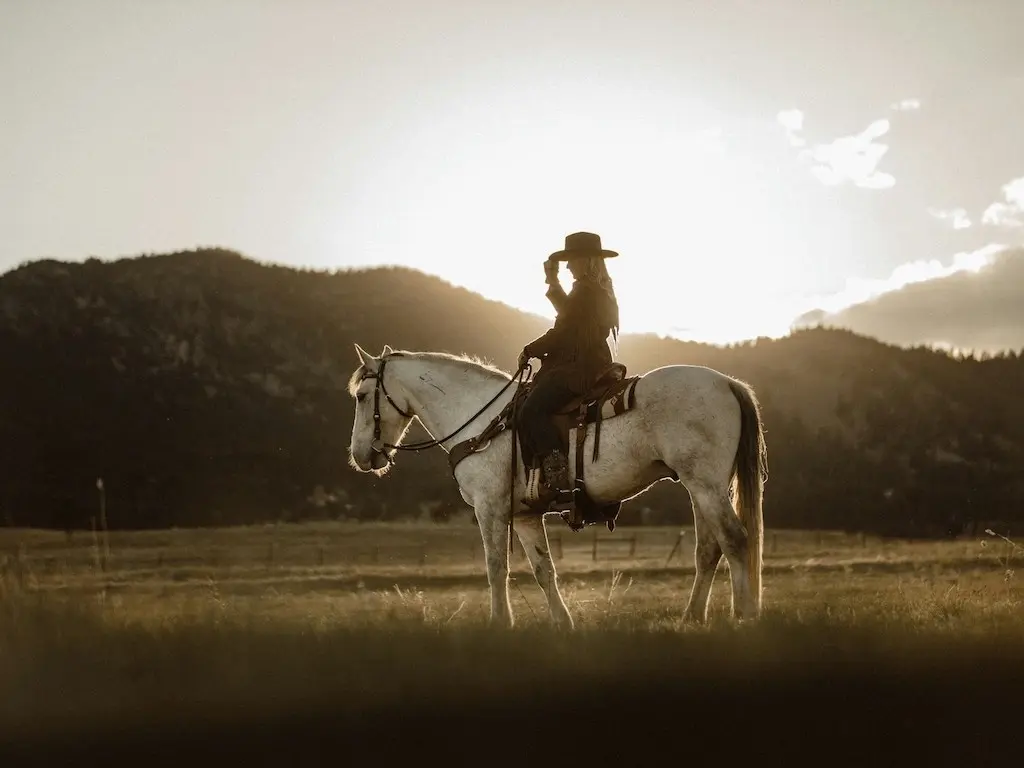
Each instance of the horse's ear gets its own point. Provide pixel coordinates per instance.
(386, 351)
(364, 357)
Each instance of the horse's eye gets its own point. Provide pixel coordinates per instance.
(361, 396)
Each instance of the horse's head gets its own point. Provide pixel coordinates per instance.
(382, 416)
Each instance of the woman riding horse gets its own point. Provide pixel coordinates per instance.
(573, 353)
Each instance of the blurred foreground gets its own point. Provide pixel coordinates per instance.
(851, 663)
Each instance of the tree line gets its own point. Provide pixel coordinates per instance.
(208, 389)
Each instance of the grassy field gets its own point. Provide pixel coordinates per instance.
(344, 621)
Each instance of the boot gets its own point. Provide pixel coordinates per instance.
(556, 472)
(544, 482)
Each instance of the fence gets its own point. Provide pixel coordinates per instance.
(179, 555)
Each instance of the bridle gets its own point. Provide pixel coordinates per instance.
(379, 446)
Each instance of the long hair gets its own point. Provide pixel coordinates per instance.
(596, 272)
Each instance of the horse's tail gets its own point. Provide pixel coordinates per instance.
(750, 471)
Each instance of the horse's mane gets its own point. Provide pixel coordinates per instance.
(443, 357)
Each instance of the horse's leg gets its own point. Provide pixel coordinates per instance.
(706, 557)
(494, 532)
(715, 507)
(534, 537)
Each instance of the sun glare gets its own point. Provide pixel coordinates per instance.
(480, 195)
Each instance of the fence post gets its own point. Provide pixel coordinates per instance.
(593, 552)
(632, 546)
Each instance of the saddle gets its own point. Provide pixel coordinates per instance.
(611, 394)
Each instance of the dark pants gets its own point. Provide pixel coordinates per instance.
(538, 434)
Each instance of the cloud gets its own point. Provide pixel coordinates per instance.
(1008, 212)
(906, 105)
(956, 216)
(792, 121)
(850, 159)
(860, 290)
(975, 303)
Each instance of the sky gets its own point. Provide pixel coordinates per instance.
(756, 165)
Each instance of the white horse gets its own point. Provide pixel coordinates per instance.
(690, 424)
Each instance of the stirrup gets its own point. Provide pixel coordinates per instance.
(557, 464)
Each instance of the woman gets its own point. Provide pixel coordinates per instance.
(573, 353)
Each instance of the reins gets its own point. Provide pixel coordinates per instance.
(379, 376)
(381, 447)
(512, 472)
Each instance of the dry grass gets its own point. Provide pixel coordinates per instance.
(326, 555)
(353, 617)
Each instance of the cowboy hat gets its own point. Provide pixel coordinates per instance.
(582, 244)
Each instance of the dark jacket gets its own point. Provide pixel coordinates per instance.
(576, 347)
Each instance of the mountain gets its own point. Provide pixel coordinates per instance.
(205, 388)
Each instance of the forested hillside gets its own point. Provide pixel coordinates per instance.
(205, 388)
